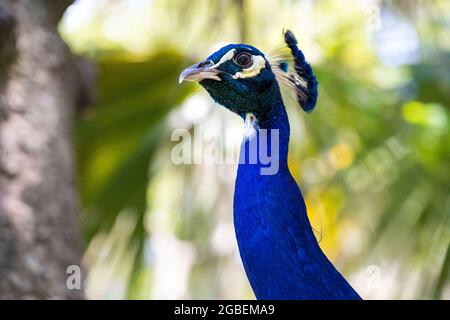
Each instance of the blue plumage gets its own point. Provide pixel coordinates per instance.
(277, 245)
(307, 95)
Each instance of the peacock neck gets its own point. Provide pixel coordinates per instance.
(263, 168)
(266, 137)
(278, 248)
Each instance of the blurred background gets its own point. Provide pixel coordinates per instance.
(372, 160)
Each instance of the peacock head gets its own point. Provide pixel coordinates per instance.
(244, 80)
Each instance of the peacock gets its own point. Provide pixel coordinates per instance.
(277, 245)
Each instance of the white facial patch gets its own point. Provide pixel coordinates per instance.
(227, 56)
(259, 63)
(250, 126)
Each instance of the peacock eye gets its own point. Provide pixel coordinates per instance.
(243, 59)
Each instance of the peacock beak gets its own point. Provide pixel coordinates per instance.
(199, 71)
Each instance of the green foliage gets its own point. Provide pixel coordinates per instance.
(117, 139)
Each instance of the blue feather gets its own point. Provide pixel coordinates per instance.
(307, 96)
(277, 245)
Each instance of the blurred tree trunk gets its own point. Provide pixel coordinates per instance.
(39, 85)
